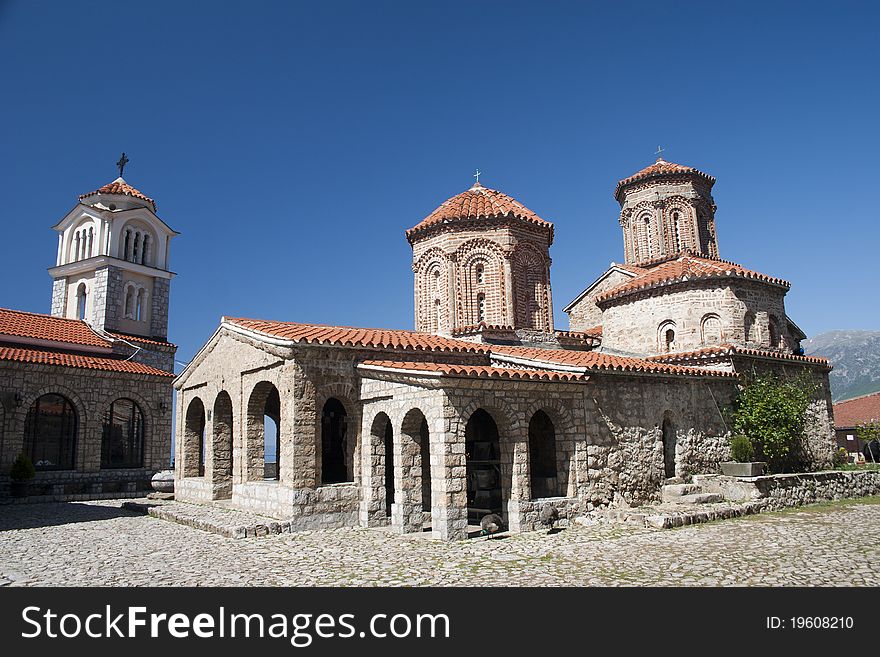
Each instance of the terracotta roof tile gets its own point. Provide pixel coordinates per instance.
(348, 336)
(723, 350)
(685, 267)
(119, 186)
(595, 332)
(45, 327)
(594, 360)
(478, 371)
(856, 411)
(478, 202)
(62, 359)
(137, 338)
(661, 168)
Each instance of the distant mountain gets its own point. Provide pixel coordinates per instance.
(855, 356)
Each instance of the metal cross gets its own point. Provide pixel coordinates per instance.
(477, 175)
(659, 152)
(121, 164)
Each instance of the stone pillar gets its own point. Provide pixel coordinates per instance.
(59, 297)
(448, 479)
(372, 506)
(406, 511)
(520, 481)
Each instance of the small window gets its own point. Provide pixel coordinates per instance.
(669, 340)
(81, 298)
(481, 307)
(480, 276)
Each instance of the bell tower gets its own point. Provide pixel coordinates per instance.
(111, 268)
(666, 209)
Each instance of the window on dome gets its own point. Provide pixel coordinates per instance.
(481, 308)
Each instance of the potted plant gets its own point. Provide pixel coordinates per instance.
(742, 452)
(21, 473)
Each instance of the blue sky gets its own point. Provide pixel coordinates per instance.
(292, 143)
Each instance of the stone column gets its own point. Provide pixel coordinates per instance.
(520, 482)
(406, 511)
(448, 478)
(372, 506)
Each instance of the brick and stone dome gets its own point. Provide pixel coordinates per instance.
(659, 170)
(476, 203)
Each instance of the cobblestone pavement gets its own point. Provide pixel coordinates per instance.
(98, 543)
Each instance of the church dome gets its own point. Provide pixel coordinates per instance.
(661, 168)
(478, 202)
(120, 188)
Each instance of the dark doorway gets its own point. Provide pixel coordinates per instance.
(483, 454)
(542, 456)
(669, 440)
(333, 430)
(389, 468)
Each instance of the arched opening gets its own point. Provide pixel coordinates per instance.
(263, 433)
(81, 298)
(222, 446)
(676, 231)
(383, 468)
(542, 456)
(145, 252)
(775, 337)
(670, 439)
(334, 424)
(194, 440)
(750, 328)
(414, 477)
(126, 245)
(50, 431)
(139, 313)
(128, 307)
(666, 334)
(481, 307)
(122, 441)
(483, 466)
(711, 329)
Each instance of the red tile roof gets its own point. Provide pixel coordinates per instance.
(661, 168)
(722, 350)
(119, 186)
(348, 336)
(594, 360)
(478, 203)
(478, 371)
(856, 411)
(61, 359)
(685, 267)
(137, 338)
(595, 332)
(45, 327)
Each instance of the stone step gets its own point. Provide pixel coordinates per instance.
(701, 498)
(672, 492)
(674, 480)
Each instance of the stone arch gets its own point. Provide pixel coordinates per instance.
(123, 434)
(431, 274)
(381, 434)
(264, 401)
(667, 333)
(480, 252)
(531, 288)
(711, 330)
(565, 429)
(751, 333)
(775, 335)
(348, 395)
(669, 438)
(335, 465)
(543, 464)
(222, 443)
(484, 484)
(194, 439)
(412, 474)
(51, 432)
(17, 418)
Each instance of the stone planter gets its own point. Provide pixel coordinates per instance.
(19, 488)
(163, 482)
(749, 469)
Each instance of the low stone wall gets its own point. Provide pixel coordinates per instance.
(785, 490)
(525, 515)
(193, 489)
(327, 507)
(72, 485)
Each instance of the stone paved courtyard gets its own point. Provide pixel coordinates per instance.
(99, 543)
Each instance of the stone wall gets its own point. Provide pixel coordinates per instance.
(786, 490)
(59, 297)
(159, 310)
(583, 313)
(91, 393)
(325, 507)
(632, 324)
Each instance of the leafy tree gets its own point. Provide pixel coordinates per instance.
(868, 433)
(771, 411)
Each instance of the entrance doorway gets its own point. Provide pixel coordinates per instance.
(483, 454)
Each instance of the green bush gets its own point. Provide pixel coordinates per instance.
(22, 469)
(841, 457)
(741, 449)
(771, 411)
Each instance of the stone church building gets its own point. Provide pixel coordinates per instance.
(85, 392)
(486, 406)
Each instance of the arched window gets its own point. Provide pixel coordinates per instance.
(135, 251)
(334, 423)
(76, 240)
(437, 315)
(676, 230)
(666, 337)
(481, 307)
(145, 249)
(647, 242)
(750, 328)
(483, 466)
(140, 311)
(480, 274)
(81, 298)
(126, 245)
(542, 456)
(711, 329)
(129, 302)
(50, 430)
(122, 443)
(194, 440)
(90, 252)
(775, 336)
